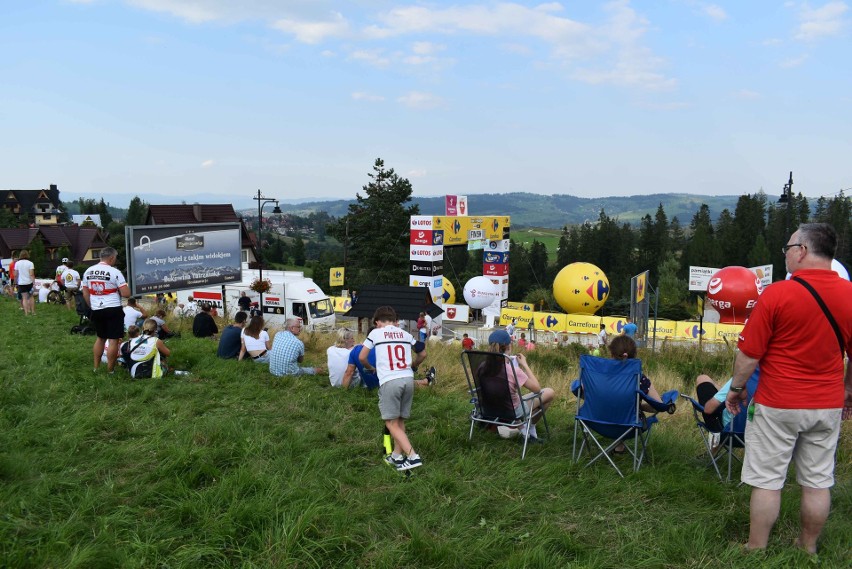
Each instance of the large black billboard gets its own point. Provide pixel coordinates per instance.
(163, 258)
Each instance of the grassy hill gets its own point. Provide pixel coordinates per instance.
(231, 467)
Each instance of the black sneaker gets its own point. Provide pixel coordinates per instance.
(409, 463)
(393, 462)
(431, 375)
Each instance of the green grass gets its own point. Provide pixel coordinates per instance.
(549, 237)
(231, 467)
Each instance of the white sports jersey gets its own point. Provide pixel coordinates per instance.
(393, 352)
(71, 279)
(103, 281)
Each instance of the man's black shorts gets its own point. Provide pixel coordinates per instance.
(109, 322)
(28, 288)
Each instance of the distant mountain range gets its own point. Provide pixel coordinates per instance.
(555, 211)
(526, 209)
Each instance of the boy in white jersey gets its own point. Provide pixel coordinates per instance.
(394, 361)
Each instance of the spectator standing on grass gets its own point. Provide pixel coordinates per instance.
(467, 342)
(255, 341)
(103, 288)
(629, 329)
(203, 325)
(244, 302)
(230, 342)
(803, 392)
(25, 279)
(510, 328)
(394, 363)
(288, 351)
(71, 281)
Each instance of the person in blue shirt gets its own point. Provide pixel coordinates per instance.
(629, 328)
(368, 379)
(229, 342)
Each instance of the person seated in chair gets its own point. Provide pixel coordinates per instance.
(624, 348)
(501, 342)
(716, 416)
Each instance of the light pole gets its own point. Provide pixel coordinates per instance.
(262, 201)
(787, 199)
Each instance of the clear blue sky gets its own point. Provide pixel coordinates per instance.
(298, 97)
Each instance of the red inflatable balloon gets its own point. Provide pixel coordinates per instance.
(733, 292)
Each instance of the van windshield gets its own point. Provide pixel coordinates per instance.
(321, 308)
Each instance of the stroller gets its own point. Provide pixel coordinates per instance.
(85, 314)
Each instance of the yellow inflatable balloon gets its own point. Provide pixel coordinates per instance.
(449, 292)
(581, 288)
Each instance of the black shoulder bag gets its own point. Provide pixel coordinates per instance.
(827, 313)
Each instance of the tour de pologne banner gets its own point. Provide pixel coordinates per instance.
(164, 258)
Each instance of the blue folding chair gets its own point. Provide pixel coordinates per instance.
(608, 407)
(730, 438)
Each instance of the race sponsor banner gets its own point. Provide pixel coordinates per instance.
(335, 276)
(461, 205)
(214, 299)
(162, 258)
(421, 222)
(415, 280)
(699, 278)
(451, 206)
(499, 257)
(687, 330)
(614, 325)
(522, 318)
(437, 237)
(500, 245)
(729, 332)
(341, 303)
(550, 321)
(495, 270)
(521, 306)
(455, 229)
(664, 329)
(456, 313)
(641, 282)
(764, 273)
(426, 268)
(421, 237)
(582, 324)
(425, 253)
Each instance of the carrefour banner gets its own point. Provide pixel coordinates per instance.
(522, 317)
(550, 321)
(341, 303)
(520, 306)
(582, 324)
(729, 332)
(455, 229)
(692, 330)
(162, 258)
(664, 329)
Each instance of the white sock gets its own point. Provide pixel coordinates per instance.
(533, 432)
(413, 455)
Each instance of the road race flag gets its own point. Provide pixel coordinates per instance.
(335, 276)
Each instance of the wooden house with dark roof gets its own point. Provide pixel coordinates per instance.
(83, 243)
(39, 207)
(189, 214)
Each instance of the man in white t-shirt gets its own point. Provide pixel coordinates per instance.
(103, 288)
(71, 280)
(58, 273)
(394, 363)
(25, 279)
(133, 313)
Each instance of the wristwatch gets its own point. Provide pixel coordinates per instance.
(736, 389)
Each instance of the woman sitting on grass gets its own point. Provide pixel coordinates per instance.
(145, 354)
(255, 341)
(501, 342)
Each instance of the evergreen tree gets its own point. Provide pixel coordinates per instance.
(137, 211)
(38, 257)
(378, 230)
(759, 254)
(748, 223)
(521, 279)
(103, 210)
(538, 263)
(701, 247)
(726, 240)
(298, 251)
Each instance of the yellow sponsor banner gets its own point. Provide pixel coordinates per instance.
(691, 331)
(335, 276)
(640, 286)
(455, 228)
(729, 332)
(664, 328)
(522, 318)
(582, 324)
(613, 325)
(520, 306)
(550, 321)
(493, 226)
(341, 303)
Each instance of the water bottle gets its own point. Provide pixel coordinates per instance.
(750, 412)
(181, 372)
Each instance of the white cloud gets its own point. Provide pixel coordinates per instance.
(207, 163)
(714, 12)
(794, 61)
(418, 100)
(827, 20)
(427, 48)
(374, 57)
(747, 94)
(363, 96)
(314, 32)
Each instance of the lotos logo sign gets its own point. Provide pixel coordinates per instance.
(421, 222)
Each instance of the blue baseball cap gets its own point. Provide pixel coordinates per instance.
(500, 337)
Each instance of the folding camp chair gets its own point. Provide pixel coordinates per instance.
(608, 400)
(730, 438)
(488, 376)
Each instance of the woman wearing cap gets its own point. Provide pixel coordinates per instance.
(501, 342)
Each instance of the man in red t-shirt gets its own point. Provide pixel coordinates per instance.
(467, 342)
(803, 391)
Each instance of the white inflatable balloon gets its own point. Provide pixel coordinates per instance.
(837, 267)
(479, 292)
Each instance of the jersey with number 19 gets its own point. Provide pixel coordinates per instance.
(392, 346)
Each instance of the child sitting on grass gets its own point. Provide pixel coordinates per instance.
(393, 347)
